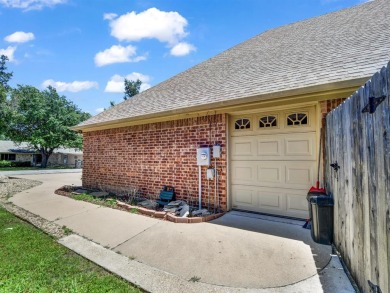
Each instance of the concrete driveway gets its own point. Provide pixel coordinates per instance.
(238, 250)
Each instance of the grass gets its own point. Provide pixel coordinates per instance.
(134, 211)
(194, 279)
(31, 261)
(109, 202)
(66, 230)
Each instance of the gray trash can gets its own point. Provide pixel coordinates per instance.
(309, 196)
(321, 209)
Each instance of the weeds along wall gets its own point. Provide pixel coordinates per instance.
(152, 155)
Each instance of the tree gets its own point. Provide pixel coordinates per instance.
(132, 88)
(43, 118)
(5, 77)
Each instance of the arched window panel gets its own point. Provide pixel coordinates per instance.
(242, 123)
(297, 119)
(268, 121)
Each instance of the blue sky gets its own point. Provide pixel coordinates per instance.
(86, 48)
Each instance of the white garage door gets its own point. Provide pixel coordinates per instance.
(273, 161)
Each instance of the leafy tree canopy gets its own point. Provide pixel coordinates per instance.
(5, 77)
(132, 88)
(43, 118)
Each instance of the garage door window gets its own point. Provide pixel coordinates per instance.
(268, 121)
(242, 123)
(297, 119)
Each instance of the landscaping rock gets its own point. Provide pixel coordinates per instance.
(149, 204)
(80, 191)
(201, 213)
(11, 186)
(176, 207)
(170, 209)
(176, 203)
(99, 194)
(183, 211)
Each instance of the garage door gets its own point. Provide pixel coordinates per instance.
(273, 161)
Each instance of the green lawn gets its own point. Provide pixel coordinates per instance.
(32, 261)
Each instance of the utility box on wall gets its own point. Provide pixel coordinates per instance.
(216, 151)
(203, 157)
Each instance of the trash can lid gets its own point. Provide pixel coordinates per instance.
(322, 200)
(315, 193)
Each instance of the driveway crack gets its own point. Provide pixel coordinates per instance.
(134, 236)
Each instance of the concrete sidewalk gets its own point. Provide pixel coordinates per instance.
(234, 252)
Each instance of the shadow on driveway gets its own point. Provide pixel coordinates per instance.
(279, 227)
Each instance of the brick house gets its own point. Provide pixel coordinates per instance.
(263, 101)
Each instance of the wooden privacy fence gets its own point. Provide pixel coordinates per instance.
(358, 147)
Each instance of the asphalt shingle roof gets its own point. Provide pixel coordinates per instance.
(344, 45)
(7, 146)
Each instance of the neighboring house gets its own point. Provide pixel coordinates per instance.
(263, 101)
(22, 152)
(10, 151)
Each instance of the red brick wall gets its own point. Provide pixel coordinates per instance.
(329, 105)
(326, 107)
(152, 155)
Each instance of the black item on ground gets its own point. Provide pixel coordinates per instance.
(167, 195)
(321, 210)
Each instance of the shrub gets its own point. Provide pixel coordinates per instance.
(5, 164)
(21, 164)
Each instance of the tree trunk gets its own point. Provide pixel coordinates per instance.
(45, 157)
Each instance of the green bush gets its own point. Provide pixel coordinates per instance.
(21, 164)
(8, 164)
(5, 164)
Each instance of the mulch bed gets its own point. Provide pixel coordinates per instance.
(69, 192)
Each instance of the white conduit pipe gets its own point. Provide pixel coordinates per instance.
(200, 187)
(215, 184)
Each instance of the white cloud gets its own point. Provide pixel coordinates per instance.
(167, 27)
(117, 82)
(19, 37)
(117, 54)
(31, 4)
(74, 86)
(9, 52)
(182, 49)
(99, 110)
(109, 16)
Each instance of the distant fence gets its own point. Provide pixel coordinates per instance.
(358, 147)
